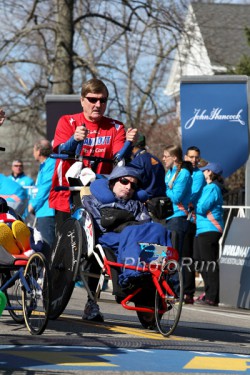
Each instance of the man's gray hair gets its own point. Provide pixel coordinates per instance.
(44, 146)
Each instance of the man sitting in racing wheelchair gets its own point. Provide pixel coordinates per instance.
(117, 209)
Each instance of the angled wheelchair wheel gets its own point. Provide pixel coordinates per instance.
(36, 297)
(168, 308)
(14, 298)
(64, 265)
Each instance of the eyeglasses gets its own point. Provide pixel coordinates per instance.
(125, 181)
(95, 100)
(18, 166)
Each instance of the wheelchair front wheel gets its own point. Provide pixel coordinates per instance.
(36, 300)
(168, 308)
(14, 298)
(64, 265)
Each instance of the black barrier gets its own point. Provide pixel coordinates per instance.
(235, 265)
(57, 106)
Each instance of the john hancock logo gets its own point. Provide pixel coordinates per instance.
(215, 114)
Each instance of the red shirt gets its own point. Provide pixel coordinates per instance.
(104, 139)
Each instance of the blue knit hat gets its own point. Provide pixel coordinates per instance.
(123, 172)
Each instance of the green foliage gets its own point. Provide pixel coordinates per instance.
(243, 66)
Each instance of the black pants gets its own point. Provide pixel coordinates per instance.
(206, 252)
(188, 269)
(60, 217)
(178, 226)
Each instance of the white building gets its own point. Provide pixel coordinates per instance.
(214, 40)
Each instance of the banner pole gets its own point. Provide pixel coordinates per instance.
(247, 169)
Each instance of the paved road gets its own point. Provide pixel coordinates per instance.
(206, 339)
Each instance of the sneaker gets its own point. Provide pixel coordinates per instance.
(206, 302)
(200, 298)
(147, 320)
(92, 312)
(188, 300)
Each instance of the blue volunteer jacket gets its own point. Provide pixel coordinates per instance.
(209, 212)
(22, 180)
(179, 190)
(43, 183)
(198, 182)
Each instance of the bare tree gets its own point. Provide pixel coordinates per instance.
(52, 46)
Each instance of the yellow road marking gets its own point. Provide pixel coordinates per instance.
(214, 363)
(129, 331)
(66, 358)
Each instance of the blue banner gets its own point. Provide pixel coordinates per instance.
(214, 117)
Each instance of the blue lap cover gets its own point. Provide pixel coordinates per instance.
(127, 245)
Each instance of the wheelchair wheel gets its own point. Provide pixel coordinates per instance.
(36, 300)
(14, 298)
(64, 265)
(168, 308)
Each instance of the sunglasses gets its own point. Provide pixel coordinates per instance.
(95, 100)
(18, 166)
(125, 181)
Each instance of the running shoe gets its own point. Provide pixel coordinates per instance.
(92, 312)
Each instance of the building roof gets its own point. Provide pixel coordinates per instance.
(214, 40)
(223, 29)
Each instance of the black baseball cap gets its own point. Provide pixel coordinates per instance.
(141, 141)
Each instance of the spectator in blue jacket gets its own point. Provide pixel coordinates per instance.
(198, 182)
(22, 179)
(45, 216)
(15, 195)
(178, 188)
(18, 174)
(209, 228)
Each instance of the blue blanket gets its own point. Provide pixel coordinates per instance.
(128, 250)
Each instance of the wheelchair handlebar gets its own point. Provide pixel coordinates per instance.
(97, 159)
(94, 159)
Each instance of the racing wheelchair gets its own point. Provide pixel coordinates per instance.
(25, 289)
(24, 281)
(156, 296)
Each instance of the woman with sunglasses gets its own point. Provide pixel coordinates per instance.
(121, 222)
(88, 133)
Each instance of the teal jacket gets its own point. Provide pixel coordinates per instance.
(43, 183)
(209, 212)
(179, 190)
